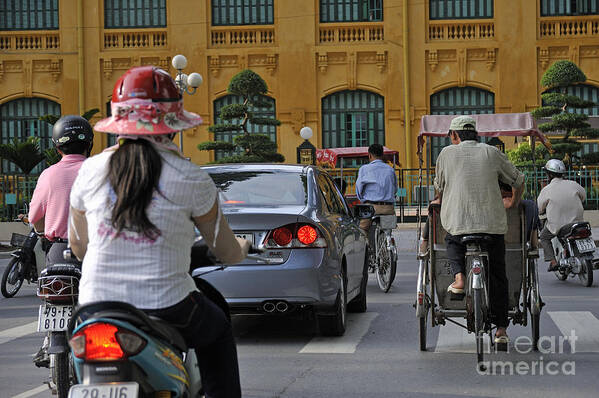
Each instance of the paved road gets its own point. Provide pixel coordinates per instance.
(378, 357)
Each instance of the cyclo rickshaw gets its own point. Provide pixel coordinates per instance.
(434, 275)
(383, 258)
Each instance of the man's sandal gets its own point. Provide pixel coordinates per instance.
(501, 342)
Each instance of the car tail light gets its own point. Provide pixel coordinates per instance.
(105, 342)
(298, 235)
(282, 236)
(306, 234)
(580, 233)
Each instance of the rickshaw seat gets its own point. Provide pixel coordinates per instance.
(476, 239)
(569, 228)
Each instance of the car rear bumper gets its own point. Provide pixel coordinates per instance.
(306, 280)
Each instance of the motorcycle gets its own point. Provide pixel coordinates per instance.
(58, 288)
(574, 250)
(28, 260)
(120, 351)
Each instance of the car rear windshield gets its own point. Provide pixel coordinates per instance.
(260, 188)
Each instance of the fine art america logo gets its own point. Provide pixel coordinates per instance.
(548, 345)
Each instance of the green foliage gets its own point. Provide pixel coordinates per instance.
(522, 155)
(587, 132)
(545, 111)
(87, 115)
(24, 154)
(249, 147)
(216, 146)
(247, 84)
(562, 73)
(233, 111)
(568, 121)
(51, 119)
(591, 158)
(564, 149)
(560, 99)
(217, 128)
(52, 156)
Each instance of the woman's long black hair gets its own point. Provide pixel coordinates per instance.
(133, 173)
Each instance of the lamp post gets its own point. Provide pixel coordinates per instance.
(186, 83)
(306, 152)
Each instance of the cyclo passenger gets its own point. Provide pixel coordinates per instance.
(466, 180)
(561, 201)
(133, 211)
(73, 138)
(376, 185)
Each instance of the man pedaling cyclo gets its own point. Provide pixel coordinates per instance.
(376, 185)
(471, 203)
(73, 137)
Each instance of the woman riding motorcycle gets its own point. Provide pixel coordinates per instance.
(133, 209)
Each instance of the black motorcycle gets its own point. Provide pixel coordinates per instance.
(23, 265)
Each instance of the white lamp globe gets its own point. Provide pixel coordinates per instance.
(194, 80)
(181, 80)
(306, 133)
(179, 62)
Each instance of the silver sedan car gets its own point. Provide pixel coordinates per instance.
(315, 247)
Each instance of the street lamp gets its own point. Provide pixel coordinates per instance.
(186, 83)
(306, 152)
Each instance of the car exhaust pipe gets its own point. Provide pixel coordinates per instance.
(268, 307)
(282, 306)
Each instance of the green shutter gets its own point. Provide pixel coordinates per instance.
(458, 101)
(28, 14)
(460, 9)
(242, 12)
(569, 7)
(119, 14)
(20, 119)
(351, 10)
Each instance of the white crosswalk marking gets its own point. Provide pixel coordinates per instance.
(357, 327)
(16, 332)
(32, 392)
(453, 338)
(583, 324)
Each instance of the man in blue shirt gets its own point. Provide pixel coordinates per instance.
(376, 184)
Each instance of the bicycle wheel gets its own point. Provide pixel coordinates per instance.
(13, 277)
(479, 324)
(385, 269)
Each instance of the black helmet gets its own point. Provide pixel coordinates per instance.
(71, 128)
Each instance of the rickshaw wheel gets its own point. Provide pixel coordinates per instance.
(560, 275)
(422, 331)
(479, 324)
(535, 330)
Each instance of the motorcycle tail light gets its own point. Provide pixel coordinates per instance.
(299, 235)
(105, 342)
(580, 233)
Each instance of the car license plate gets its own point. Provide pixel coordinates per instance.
(53, 318)
(247, 236)
(112, 390)
(585, 245)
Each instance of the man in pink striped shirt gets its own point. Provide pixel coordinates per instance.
(49, 209)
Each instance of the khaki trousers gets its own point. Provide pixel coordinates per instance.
(378, 209)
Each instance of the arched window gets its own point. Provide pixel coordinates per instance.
(352, 119)
(458, 101)
(119, 14)
(227, 136)
(569, 7)
(20, 119)
(460, 9)
(242, 12)
(585, 92)
(28, 15)
(351, 10)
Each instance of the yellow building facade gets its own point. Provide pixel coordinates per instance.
(355, 71)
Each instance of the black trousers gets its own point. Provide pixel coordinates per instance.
(206, 328)
(498, 283)
(54, 255)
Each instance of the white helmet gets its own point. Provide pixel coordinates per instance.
(555, 166)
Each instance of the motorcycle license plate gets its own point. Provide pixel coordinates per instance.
(112, 390)
(585, 245)
(53, 318)
(247, 236)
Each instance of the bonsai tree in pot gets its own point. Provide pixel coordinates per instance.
(246, 147)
